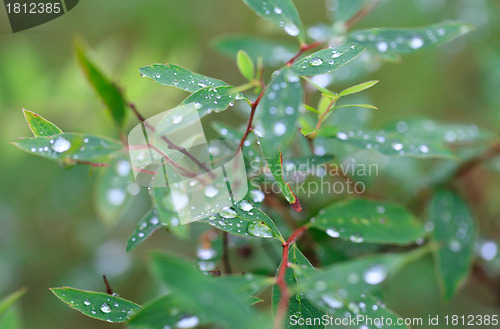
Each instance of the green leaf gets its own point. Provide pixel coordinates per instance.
(243, 219)
(40, 126)
(405, 41)
(11, 299)
(358, 88)
(278, 110)
(272, 52)
(214, 99)
(274, 159)
(110, 94)
(162, 202)
(366, 106)
(362, 220)
(245, 65)
(179, 77)
(355, 277)
(298, 304)
(69, 147)
(112, 196)
(145, 228)
(328, 60)
(11, 319)
(342, 10)
(455, 232)
(204, 294)
(280, 12)
(97, 305)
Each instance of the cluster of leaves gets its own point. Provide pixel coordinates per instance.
(284, 130)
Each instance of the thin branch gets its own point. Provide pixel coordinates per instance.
(281, 279)
(225, 253)
(250, 119)
(473, 163)
(302, 50)
(362, 13)
(93, 164)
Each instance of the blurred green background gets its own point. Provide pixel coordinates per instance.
(49, 233)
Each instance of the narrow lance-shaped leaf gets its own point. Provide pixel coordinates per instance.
(105, 88)
(40, 126)
(358, 88)
(244, 219)
(214, 99)
(179, 77)
(280, 12)
(328, 60)
(97, 305)
(245, 65)
(11, 299)
(165, 209)
(455, 231)
(114, 190)
(69, 147)
(362, 220)
(272, 52)
(145, 228)
(205, 294)
(404, 41)
(298, 306)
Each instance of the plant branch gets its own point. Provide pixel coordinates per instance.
(281, 279)
(473, 163)
(250, 119)
(362, 13)
(303, 49)
(225, 253)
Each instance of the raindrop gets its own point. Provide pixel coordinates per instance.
(279, 129)
(336, 54)
(316, 61)
(416, 42)
(228, 212)
(397, 146)
(176, 119)
(424, 148)
(382, 46)
(206, 254)
(260, 229)
(61, 145)
(123, 168)
(245, 205)
(289, 110)
(332, 301)
(211, 191)
(341, 135)
(488, 250)
(116, 196)
(292, 29)
(401, 126)
(380, 209)
(333, 232)
(454, 245)
(277, 10)
(188, 322)
(105, 308)
(86, 302)
(356, 238)
(375, 275)
(257, 196)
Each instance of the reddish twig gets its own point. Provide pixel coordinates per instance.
(250, 119)
(281, 279)
(109, 290)
(362, 13)
(93, 164)
(303, 49)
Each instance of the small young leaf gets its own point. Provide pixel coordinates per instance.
(280, 12)
(358, 88)
(97, 305)
(214, 99)
(11, 299)
(245, 65)
(244, 219)
(404, 41)
(112, 196)
(69, 147)
(40, 126)
(327, 60)
(105, 88)
(179, 77)
(455, 231)
(362, 220)
(365, 106)
(273, 53)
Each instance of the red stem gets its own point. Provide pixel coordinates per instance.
(303, 49)
(250, 119)
(281, 280)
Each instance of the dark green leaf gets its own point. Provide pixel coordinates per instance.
(179, 77)
(70, 147)
(273, 53)
(404, 41)
(145, 228)
(245, 65)
(40, 126)
(105, 88)
(455, 231)
(244, 219)
(362, 220)
(204, 294)
(280, 12)
(97, 305)
(327, 60)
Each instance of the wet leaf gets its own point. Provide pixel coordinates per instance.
(328, 60)
(362, 220)
(145, 228)
(282, 13)
(179, 77)
(162, 202)
(109, 93)
(214, 99)
(97, 305)
(455, 231)
(40, 126)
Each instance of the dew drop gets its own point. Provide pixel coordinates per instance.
(105, 308)
(382, 46)
(116, 196)
(356, 238)
(61, 145)
(332, 301)
(211, 191)
(397, 146)
(333, 232)
(277, 11)
(228, 212)
(375, 275)
(416, 42)
(316, 61)
(206, 254)
(488, 250)
(341, 135)
(257, 196)
(187, 322)
(279, 129)
(245, 205)
(176, 119)
(291, 29)
(260, 229)
(86, 302)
